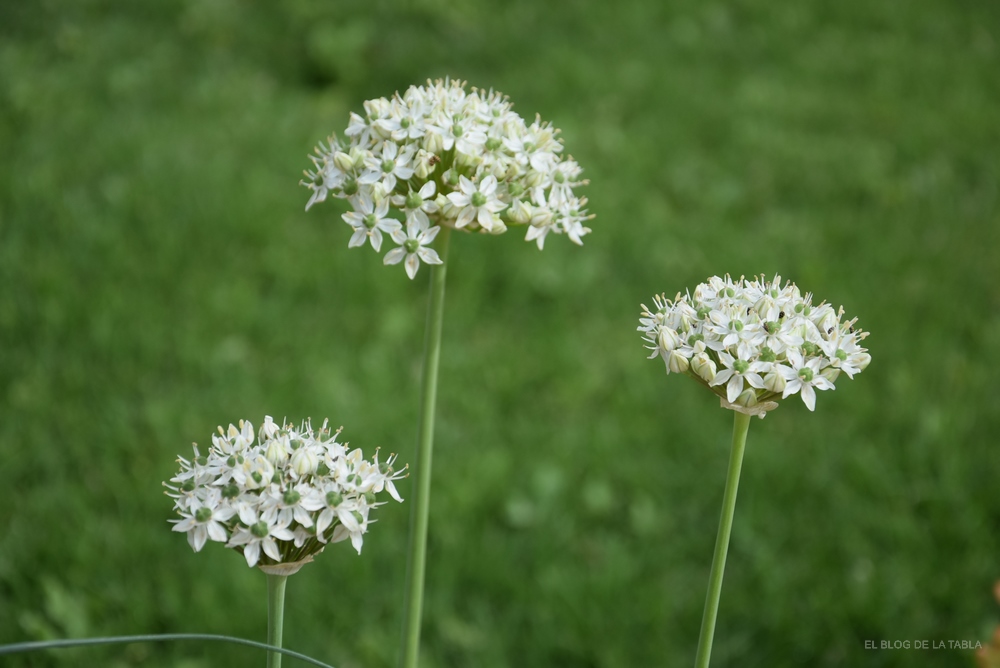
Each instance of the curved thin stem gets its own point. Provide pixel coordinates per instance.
(417, 553)
(275, 615)
(20, 647)
(741, 423)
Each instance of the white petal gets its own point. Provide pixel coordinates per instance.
(485, 218)
(459, 199)
(488, 185)
(271, 548)
(376, 238)
(427, 190)
(394, 256)
(217, 532)
(417, 217)
(252, 554)
(467, 186)
(398, 235)
(428, 235)
(465, 216)
(734, 387)
(359, 238)
(412, 265)
(429, 255)
(808, 396)
(722, 377)
(794, 385)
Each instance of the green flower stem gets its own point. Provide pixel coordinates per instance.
(741, 423)
(21, 647)
(275, 615)
(420, 510)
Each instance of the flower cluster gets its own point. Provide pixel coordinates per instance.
(287, 495)
(438, 155)
(753, 341)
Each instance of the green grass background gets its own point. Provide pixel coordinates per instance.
(158, 276)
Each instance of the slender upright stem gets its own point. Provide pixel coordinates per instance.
(275, 615)
(741, 423)
(420, 508)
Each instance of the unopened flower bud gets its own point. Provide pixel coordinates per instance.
(520, 212)
(704, 367)
(831, 373)
(424, 164)
(343, 161)
(863, 359)
(747, 398)
(304, 461)
(277, 452)
(540, 216)
(434, 143)
(668, 339)
(774, 382)
(677, 363)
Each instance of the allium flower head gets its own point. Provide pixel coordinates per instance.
(754, 341)
(281, 499)
(484, 166)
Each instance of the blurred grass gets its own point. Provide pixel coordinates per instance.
(158, 277)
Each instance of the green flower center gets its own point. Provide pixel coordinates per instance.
(404, 123)
(515, 189)
(388, 166)
(370, 221)
(292, 497)
(351, 187)
(411, 245)
(767, 355)
(740, 366)
(841, 355)
(203, 514)
(478, 199)
(413, 201)
(334, 498)
(259, 529)
(806, 374)
(457, 130)
(559, 177)
(492, 144)
(230, 491)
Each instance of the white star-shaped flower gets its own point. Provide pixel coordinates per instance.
(477, 202)
(370, 222)
(413, 247)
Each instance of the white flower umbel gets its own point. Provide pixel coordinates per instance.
(486, 167)
(282, 497)
(752, 342)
